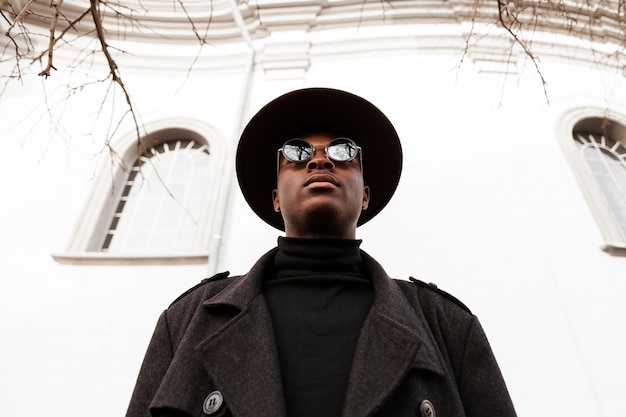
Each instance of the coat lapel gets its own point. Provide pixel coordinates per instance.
(241, 356)
(392, 341)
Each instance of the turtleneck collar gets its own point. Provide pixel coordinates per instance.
(318, 299)
(304, 257)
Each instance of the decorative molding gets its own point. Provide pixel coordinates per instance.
(600, 21)
(285, 60)
(98, 258)
(576, 31)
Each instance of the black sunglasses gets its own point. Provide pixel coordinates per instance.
(338, 150)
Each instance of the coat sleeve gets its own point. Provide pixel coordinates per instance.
(481, 385)
(153, 369)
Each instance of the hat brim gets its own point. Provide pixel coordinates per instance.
(310, 109)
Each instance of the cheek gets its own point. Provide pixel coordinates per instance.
(284, 190)
(357, 187)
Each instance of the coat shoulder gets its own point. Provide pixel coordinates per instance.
(430, 293)
(218, 280)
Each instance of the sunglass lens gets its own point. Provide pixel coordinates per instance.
(297, 150)
(342, 149)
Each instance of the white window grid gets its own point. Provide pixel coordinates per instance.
(606, 161)
(160, 205)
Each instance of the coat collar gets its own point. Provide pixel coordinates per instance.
(242, 359)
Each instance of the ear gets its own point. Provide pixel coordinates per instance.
(366, 198)
(276, 200)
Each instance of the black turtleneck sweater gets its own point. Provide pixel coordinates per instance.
(318, 297)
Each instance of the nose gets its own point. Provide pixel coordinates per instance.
(320, 161)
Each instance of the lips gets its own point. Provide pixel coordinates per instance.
(320, 178)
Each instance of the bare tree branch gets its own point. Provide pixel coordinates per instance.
(508, 9)
(46, 72)
(70, 26)
(201, 39)
(18, 19)
(114, 71)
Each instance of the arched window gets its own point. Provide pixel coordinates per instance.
(156, 206)
(602, 145)
(161, 203)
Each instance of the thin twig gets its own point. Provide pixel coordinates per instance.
(527, 51)
(114, 71)
(71, 25)
(191, 22)
(20, 15)
(53, 25)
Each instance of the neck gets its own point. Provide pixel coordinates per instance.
(318, 231)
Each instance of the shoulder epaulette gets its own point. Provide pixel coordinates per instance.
(205, 281)
(433, 287)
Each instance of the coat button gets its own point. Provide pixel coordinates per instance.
(427, 409)
(212, 403)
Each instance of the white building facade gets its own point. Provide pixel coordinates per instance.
(513, 194)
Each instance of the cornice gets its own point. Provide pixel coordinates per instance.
(213, 19)
(286, 33)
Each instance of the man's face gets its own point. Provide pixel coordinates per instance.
(320, 197)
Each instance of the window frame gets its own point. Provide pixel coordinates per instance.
(84, 247)
(587, 118)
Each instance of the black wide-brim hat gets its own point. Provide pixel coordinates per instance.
(310, 110)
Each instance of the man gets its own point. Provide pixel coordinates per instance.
(316, 327)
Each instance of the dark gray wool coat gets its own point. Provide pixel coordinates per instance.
(416, 344)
